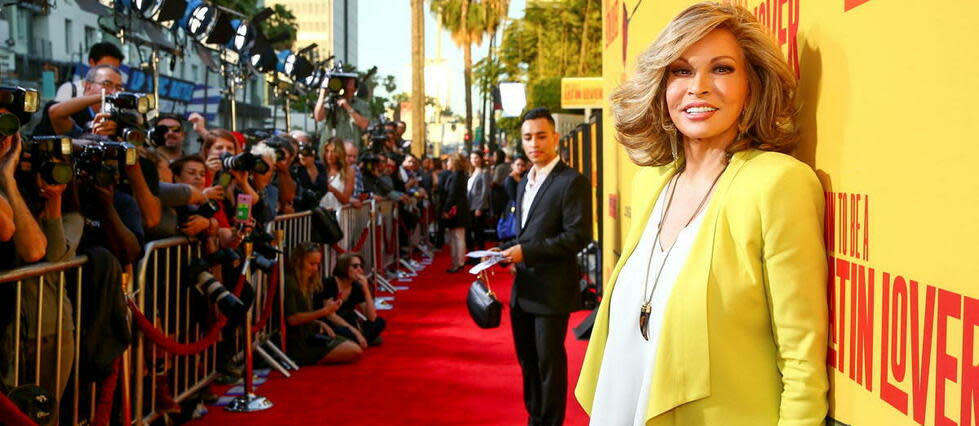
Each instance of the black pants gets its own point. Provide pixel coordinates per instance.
(539, 340)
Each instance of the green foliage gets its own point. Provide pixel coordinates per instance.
(545, 92)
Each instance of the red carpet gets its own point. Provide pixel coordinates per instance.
(434, 368)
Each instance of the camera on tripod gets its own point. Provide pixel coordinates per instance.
(100, 162)
(50, 157)
(129, 111)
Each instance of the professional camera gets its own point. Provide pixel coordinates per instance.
(307, 149)
(244, 162)
(377, 135)
(333, 81)
(100, 162)
(50, 157)
(281, 145)
(22, 104)
(265, 254)
(199, 277)
(129, 110)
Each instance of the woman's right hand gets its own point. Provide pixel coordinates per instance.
(214, 193)
(330, 306)
(213, 163)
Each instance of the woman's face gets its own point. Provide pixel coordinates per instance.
(330, 154)
(356, 267)
(192, 174)
(707, 87)
(520, 165)
(222, 146)
(476, 160)
(311, 264)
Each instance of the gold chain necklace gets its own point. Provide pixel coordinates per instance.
(647, 309)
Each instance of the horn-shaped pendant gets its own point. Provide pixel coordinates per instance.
(644, 320)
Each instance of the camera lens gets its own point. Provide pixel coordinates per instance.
(57, 173)
(9, 124)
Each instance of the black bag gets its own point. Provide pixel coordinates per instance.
(326, 228)
(484, 308)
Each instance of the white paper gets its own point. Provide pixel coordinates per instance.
(482, 266)
(484, 253)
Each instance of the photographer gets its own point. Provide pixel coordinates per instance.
(102, 53)
(267, 207)
(16, 220)
(81, 114)
(285, 148)
(346, 116)
(310, 176)
(174, 138)
(197, 218)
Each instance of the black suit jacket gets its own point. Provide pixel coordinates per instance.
(557, 228)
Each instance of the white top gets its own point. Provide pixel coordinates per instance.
(64, 91)
(535, 177)
(329, 200)
(622, 393)
(476, 174)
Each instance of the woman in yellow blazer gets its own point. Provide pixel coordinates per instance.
(716, 313)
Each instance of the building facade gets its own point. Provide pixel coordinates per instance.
(331, 24)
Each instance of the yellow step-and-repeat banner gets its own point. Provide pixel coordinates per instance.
(890, 117)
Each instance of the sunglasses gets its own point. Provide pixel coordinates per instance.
(357, 265)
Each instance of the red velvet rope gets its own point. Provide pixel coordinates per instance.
(11, 415)
(357, 247)
(106, 392)
(267, 308)
(167, 344)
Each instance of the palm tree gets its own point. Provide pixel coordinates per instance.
(469, 21)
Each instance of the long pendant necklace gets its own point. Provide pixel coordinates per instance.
(647, 309)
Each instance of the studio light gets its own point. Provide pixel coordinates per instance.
(161, 10)
(294, 66)
(262, 58)
(199, 18)
(222, 32)
(244, 36)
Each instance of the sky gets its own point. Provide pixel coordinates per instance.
(384, 40)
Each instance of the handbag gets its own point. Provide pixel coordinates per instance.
(506, 227)
(484, 308)
(326, 228)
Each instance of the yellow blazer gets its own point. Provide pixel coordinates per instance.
(743, 341)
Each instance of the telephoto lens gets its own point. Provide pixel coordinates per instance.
(244, 162)
(199, 277)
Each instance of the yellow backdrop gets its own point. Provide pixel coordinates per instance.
(889, 125)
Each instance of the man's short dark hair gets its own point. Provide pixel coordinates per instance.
(103, 49)
(539, 113)
(174, 117)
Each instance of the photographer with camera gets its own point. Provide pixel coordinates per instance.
(174, 136)
(16, 220)
(310, 176)
(345, 115)
(78, 115)
(197, 218)
(285, 155)
(102, 53)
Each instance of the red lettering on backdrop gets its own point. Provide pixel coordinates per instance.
(888, 342)
(842, 272)
(854, 223)
(829, 222)
(865, 327)
(970, 371)
(866, 227)
(850, 4)
(844, 212)
(831, 298)
(946, 366)
(921, 338)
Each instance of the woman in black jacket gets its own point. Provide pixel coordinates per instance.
(455, 210)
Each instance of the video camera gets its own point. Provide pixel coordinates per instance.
(100, 162)
(334, 82)
(50, 157)
(198, 276)
(129, 111)
(22, 104)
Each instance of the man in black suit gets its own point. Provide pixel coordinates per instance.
(554, 223)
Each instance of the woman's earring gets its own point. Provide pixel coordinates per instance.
(673, 145)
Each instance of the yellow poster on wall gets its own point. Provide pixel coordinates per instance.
(887, 90)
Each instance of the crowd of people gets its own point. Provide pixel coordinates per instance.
(118, 196)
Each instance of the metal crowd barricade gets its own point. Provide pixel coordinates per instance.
(161, 294)
(26, 358)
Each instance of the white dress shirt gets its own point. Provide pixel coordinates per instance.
(535, 177)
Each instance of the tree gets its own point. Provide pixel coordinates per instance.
(469, 21)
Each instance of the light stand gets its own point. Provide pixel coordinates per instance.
(248, 402)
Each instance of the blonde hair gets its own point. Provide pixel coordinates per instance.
(459, 162)
(340, 151)
(642, 119)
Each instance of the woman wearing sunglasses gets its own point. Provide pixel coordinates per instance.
(350, 286)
